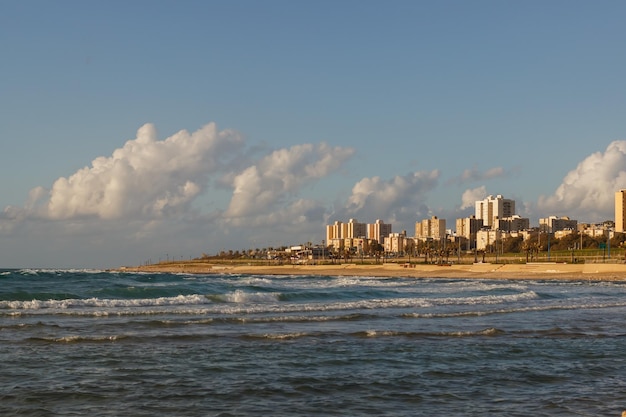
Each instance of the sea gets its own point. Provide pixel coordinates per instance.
(101, 343)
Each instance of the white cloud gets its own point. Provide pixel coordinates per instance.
(267, 185)
(146, 178)
(399, 200)
(588, 191)
(469, 197)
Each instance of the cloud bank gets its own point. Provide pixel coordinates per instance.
(146, 178)
(150, 179)
(587, 193)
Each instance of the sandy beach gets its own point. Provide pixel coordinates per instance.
(542, 270)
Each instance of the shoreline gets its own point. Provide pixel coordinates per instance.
(536, 271)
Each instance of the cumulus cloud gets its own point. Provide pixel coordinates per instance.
(400, 199)
(146, 177)
(149, 180)
(588, 191)
(469, 197)
(267, 184)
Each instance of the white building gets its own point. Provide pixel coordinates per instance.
(492, 207)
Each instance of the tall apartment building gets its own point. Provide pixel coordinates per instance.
(433, 228)
(341, 234)
(339, 230)
(492, 207)
(378, 231)
(336, 231)
(620, 211)
(468, 227)
(356, 229)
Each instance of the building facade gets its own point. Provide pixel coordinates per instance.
(620, 211)
(492, 207)
(395, 242)
(341, 235)
(433, 228)
(468, 226)
(554, 224)
(514, 223)
(339, 230)
(378, 231)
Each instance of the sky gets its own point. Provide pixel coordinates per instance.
(138, 131)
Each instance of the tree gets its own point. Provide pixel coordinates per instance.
(512, 244)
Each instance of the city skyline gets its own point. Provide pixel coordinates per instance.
(137, 130)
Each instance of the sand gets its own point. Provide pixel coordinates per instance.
(542, 270)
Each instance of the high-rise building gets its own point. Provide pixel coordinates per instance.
(492, 207)
(336, 231)
(433, 228)
(339, 230)
(620, 211)
(356, 229)
(378, 231)
(468, 226)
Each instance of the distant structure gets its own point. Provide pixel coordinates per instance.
(494, 207)
(433, 228)
(513, 223)
(395, 242)
(378, 231)
(620, 211)
(467, 228)
(352, 229)
(356, 236)
(555, 224)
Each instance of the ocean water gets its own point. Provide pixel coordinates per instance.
(93, 343)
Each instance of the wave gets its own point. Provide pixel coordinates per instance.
(512, 310)
(102, 303)
(491, 331)
(48, 271)
(238, 302)
(487, 332)
(78, 339)
(239, 296)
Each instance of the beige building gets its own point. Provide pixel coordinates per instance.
(339, 230)
(554, 224)
(492, 207)
(378, 231)
(335, 232)
(395, 242)
(486, 237)
(620, 211)
(433, 228)
(356, 229)
(468, 226)
(341, 235)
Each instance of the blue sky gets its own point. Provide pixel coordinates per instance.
(141, 130)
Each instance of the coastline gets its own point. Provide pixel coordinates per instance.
(537, 271)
